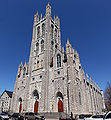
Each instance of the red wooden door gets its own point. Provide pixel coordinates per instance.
(60, 106)
(20, 107)
(36, 106)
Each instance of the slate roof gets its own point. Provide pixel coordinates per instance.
(9, 93)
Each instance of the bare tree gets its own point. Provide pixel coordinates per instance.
(107, 95)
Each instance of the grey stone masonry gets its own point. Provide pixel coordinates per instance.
(53, 80)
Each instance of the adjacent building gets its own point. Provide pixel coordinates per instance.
(53, 80)
(5, 101)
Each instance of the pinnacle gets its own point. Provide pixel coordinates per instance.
(68, 41)
(48, 5)
(21, 63)
(25, 63)
(37, 13)
(41, 16)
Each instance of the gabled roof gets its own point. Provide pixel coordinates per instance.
(9, 93)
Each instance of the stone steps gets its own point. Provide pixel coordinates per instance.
(55, 115)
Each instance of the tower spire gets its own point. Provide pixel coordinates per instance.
(48, 9)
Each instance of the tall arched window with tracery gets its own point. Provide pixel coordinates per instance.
(42, 45)
(43, 29)
(58, 60)
(38, 32)
(24, 69)
(37, 48)
(55, 35)
(52, 44)
(52, 31)
(80, 98)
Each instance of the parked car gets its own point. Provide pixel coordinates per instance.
(17, 116)
(4, 116)
(82, 116)
(107, 116)
(0, 118)
(95, 117)
(42, 117)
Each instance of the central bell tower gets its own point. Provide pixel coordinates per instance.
(45, 42)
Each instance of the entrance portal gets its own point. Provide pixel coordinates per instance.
(60, 106)
(20, 107)
(20, 104)
(36, 106)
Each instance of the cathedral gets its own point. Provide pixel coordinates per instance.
(53, 80)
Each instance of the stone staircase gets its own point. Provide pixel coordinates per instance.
(54, 115)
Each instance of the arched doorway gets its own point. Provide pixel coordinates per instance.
(20, 104)
(36, 98)
(60, 101)
(60, 106)
(36, 106)
(20, 107)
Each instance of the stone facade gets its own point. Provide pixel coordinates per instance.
(5, 101)
(53, 80)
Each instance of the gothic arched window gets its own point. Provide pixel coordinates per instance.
(55, 35)
(52, 27)
(20, 99)
(43, 29)
(80, 98)
(24, 72)
(35, 94)
(58, 60)
(37, 48)
(38, 32)
(52, 45)
(42, 45)
(59, 94)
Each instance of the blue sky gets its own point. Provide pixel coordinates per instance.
(87, 24)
